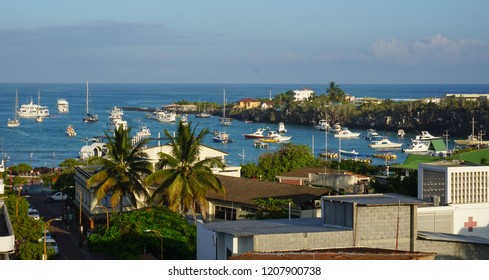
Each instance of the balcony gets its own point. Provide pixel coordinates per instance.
(7, 237)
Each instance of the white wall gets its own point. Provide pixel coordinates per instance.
(206, 243)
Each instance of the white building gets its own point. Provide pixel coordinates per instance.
(460, 194)
(302, 94)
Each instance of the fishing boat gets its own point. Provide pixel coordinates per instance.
(384, 143)
(346, 133)
(224, 120)
(371, 134)
(89, 118)
(426, 136)
(417, 147)
(32, 110)
(222, 137)
(281, 128)
(473, 139)
(63, 105)
(274, 136)
(258, 134)
(70, 131)
(323, 125)
(336, 128)
(15, 122)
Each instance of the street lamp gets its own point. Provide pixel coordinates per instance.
(46, 225)
(160, 236)
(107, 215)
(80, 202)
(17, 205)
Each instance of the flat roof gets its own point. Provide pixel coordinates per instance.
(377, 199)
(439, 236)
(278, 226)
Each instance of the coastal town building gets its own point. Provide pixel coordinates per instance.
(7, 234)
(302, 94)
(340, 182)
(238, 201)
(90, 206)
(372, 221)
(469, 96)
(460, 194)
(181, 107)
(248, 103)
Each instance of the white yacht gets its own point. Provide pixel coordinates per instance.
(384, 143)
(274, 136)
(323, 125)
(371, 134)
(63, 105)
(32, 110)
(417, 146)
(162, 116)
(426, 136)
(346, 133)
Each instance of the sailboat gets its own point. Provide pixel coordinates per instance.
(202, 114)
(15, 122)
(225, 121)
(89, 117)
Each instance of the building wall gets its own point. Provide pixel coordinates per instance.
(303, 241)
(455, 184)
(454, 250)
(435, 219)
(384, 227)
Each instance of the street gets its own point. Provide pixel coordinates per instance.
(67, 235)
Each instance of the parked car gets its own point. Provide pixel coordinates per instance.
(48, 236)
(51, 244)
(33, 213)
(56, 196)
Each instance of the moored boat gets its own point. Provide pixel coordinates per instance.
(274, 136)
(63, 105)
(258, 134)
(417, 146)
(32, 110)
(346, 133)
(281, 128)
(70, 131)
(384, 143)
(222, 137)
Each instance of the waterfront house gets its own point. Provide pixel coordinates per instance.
(302, 94)
(248, 103)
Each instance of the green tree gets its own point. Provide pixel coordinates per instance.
(271, 208)
(335, 93)
(122, 169)
(183, 181)
(289, 157)
(127, 239)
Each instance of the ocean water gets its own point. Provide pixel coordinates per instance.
(46, 143)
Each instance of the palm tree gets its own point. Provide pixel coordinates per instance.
(182, 181)
(122, 170)
(335, 92)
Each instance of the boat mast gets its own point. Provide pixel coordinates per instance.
(224, 106)
(86, 105)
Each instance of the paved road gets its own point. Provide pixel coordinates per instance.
(67, 238)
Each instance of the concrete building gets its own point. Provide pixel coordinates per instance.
(460, 193)
(375, 221)
(7, 235)
(302, 94)
(248, 103)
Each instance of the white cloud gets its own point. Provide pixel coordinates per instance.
(437, 47)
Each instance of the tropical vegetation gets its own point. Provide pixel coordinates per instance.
(122, 170)
(183, 179)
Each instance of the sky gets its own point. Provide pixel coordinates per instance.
(253, 41)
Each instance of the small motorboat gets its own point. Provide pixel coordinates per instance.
(349, 153)
(281, 128)
(222, 137)
(70, 131)
(346, 133)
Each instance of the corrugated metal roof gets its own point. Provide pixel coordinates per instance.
(438, 236)
(377, 199)
(280, 226)
(243, 190)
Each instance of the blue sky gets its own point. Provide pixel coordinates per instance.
(254, 41)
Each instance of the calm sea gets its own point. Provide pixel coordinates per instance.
(46, 144)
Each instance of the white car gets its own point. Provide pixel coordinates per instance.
(48, 236)
(33, 213)
(51, 244)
